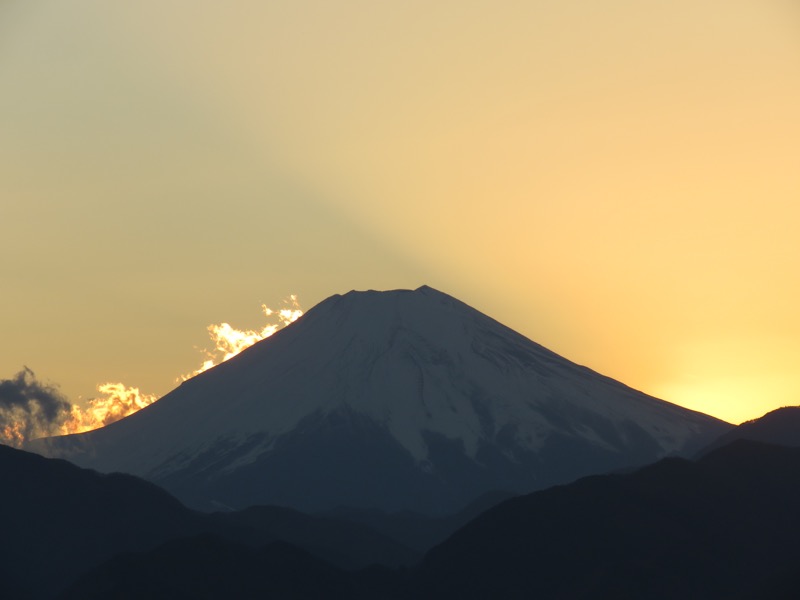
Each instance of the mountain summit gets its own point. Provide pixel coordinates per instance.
(390, 400)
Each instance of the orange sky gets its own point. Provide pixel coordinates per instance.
(617, 180)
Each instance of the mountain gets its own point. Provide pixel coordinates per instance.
(60, 520)
(725, 526)
(401, 400)
(780, 426)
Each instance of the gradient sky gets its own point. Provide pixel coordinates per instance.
(617, 180)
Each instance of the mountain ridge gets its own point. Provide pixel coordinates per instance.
(780, 426)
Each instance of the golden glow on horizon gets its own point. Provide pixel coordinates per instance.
(736, 395)
(725, 371)
(618, 181)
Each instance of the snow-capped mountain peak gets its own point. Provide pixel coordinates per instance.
(432, 398)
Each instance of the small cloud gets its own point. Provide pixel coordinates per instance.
(229, 341)
(117, 402)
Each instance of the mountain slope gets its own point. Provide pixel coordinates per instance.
(721, 527)
(402, 400)
(60, 520)
(780, 426)
(416, 531)
(210, 567)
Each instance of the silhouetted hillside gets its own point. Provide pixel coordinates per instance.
(211, 567)
(676, 529)
(60, 521)
(781, 426)
(416, 531)
(344, 543)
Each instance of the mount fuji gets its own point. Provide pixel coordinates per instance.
(399, 400)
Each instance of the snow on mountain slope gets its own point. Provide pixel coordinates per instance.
(392, 400)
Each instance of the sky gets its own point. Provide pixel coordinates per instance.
(618, 180)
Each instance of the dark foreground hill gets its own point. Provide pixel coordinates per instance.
(780, 426)
(723, 527)
(59, 520)
(212, 567)
(416, 531)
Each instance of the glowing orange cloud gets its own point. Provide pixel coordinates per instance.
(229, 341)
(12, 435)
(118, 402)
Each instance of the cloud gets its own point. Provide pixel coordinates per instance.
(117, 402)
(30, 408)
(229, 341)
